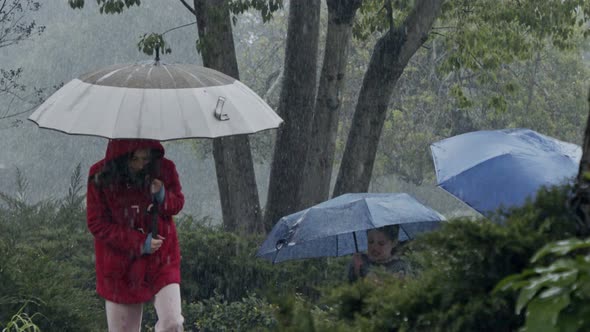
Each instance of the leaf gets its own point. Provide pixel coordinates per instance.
(535, 285)
(561, 248)
(513, 280)
(543, 313)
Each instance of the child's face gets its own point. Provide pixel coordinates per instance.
(379, 246)
(138, 160)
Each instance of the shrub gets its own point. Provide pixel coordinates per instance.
(555, 295)
(46, 262)
(460, 265)
(215, 262)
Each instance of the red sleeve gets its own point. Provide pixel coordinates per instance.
(99, 221)
(174, 199)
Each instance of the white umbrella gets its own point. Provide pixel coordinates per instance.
(155, 101)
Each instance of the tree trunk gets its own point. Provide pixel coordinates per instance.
(320, 156)
(391, 54)
(580, 201)
(233, 158)
(296, 108)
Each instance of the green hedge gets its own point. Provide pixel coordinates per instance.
(47, 274)
(47, 263)
(460, 266)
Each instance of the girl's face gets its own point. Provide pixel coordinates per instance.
(380, 247)
(138, 160)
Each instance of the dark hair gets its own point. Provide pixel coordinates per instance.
(116, 171)
(391, 231)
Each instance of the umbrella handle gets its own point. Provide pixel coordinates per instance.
(356, 246)
(154, 212)
(219, 110)
(407, 234)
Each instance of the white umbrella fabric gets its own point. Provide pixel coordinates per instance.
(154, 100)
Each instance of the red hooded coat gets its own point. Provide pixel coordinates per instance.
(116, 216)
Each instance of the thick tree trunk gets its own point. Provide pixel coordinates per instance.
(580, 201)
(233, 159)
(390, 56)
(296, 108)
(320, 156)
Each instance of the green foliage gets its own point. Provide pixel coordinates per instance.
(149, 43)
(543, 93)
(215, 314)
(41, 246)
(511, 26)
(266, 7)
(377, 16)
(216, 262)
(107, 6)
(459, 265)
(295, 314)
(483, 36)
(555, 295)
(45, 243)
(236, 7)
(21, 322)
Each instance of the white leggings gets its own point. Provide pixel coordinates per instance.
(127, 317)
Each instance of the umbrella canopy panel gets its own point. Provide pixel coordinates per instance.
(155, 101)
(490, 169)
(150, 75)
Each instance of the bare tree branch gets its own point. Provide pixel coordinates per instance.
(190, 9)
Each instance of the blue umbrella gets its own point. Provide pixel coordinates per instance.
(338, 226)
(502, 168)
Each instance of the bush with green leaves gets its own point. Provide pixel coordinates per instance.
(215, 314)
(555, 295)
(459, 266)
(215, 262)
(46, 262)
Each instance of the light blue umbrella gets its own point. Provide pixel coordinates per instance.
(502, 168)
(338, 226)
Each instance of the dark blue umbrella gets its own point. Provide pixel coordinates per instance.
(502, 168)
(338, 226)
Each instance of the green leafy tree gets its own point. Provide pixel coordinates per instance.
(479, 38)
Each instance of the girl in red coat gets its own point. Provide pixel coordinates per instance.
(131, 266)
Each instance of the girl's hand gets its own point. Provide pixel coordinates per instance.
(156, 244)
(156, 186)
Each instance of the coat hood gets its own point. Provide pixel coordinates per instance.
(119, 147)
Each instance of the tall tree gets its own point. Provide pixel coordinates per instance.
(296, 104)
(233, 158)
(580, 201)
(326, 115)
(390, 56)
